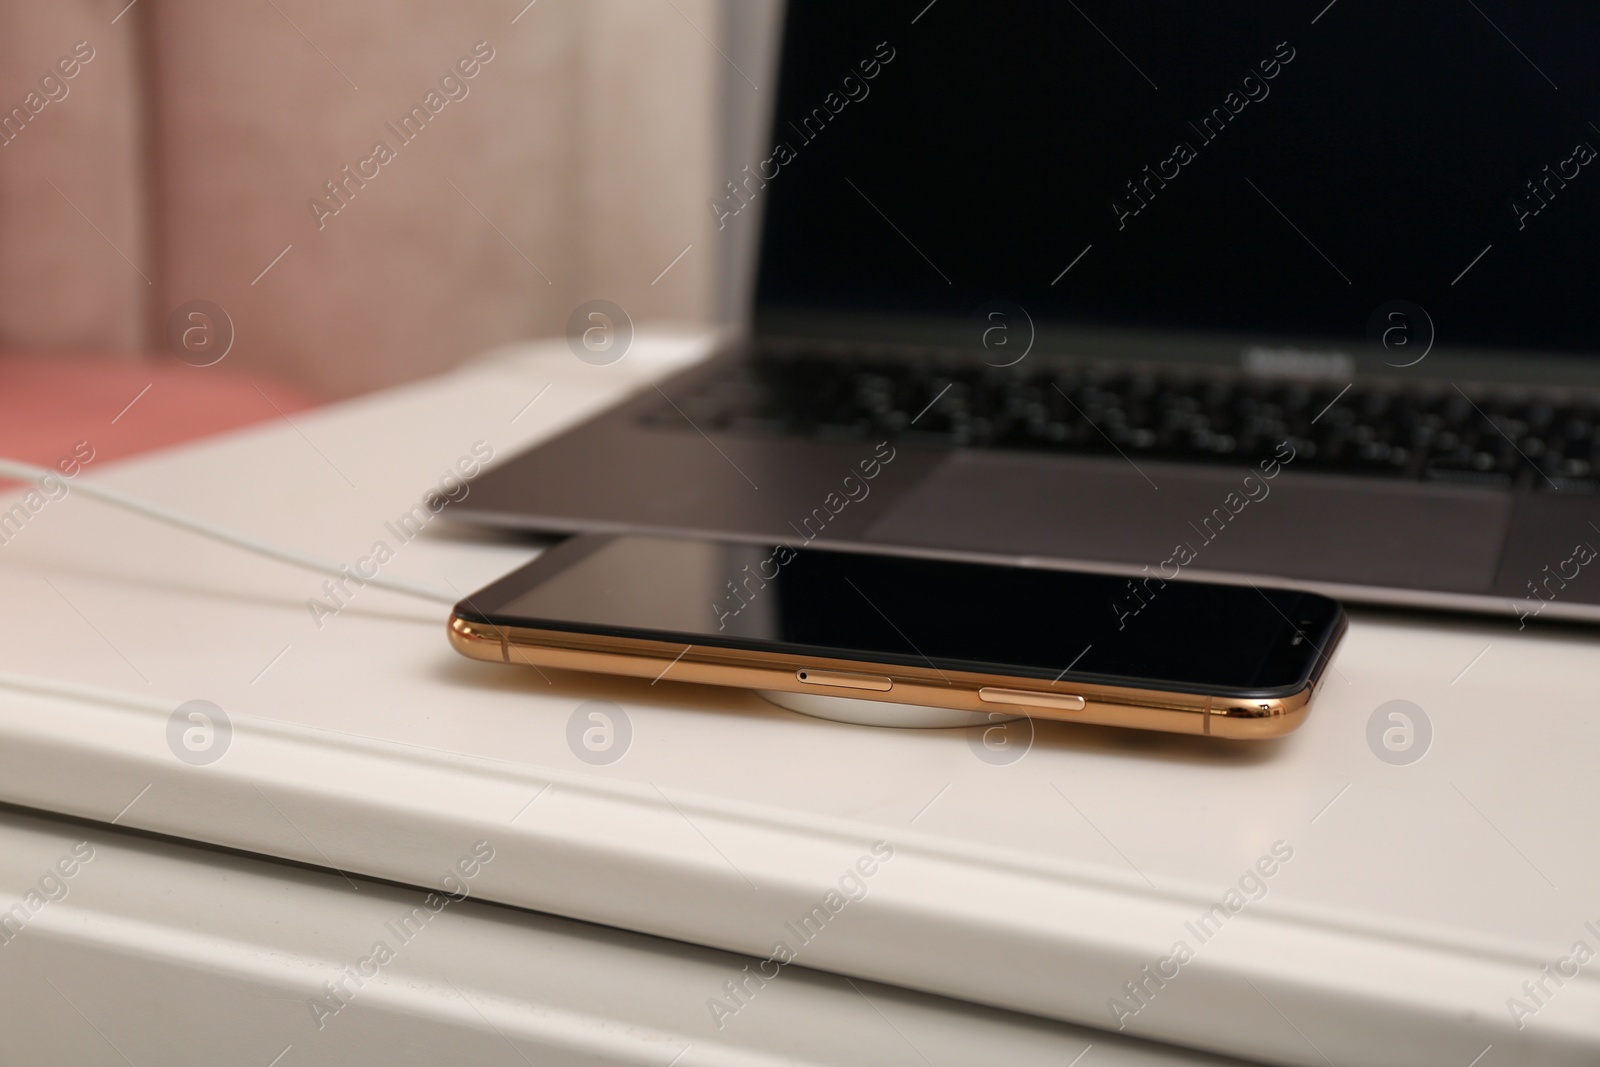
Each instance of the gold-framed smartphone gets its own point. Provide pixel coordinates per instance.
(1150, 652)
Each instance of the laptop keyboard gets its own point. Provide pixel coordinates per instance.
(1432, 432)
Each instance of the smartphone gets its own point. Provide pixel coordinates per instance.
(1230, 661)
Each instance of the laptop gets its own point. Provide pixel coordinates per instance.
(1292, 293)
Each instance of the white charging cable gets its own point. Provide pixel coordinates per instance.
(28, 472)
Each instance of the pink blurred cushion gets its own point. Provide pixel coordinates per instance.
(123, 406)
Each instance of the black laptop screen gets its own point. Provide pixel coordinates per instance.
(1255, 167)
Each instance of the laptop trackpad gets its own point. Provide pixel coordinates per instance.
(1310, 527)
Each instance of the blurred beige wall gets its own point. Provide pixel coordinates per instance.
(649, 143)
(75, 264)
(574, 163)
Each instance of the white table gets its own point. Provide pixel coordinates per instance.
(164, 953)
(1418, 898)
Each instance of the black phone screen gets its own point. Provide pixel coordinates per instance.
(1024, 621)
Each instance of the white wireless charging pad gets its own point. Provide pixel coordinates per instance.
(882, 713)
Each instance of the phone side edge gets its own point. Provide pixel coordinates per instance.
(1153, 710)
(477, 640)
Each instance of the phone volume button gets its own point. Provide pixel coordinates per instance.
(1029, 698)
(843, 680)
